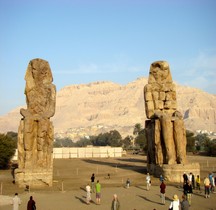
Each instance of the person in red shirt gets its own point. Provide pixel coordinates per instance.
(162, 191)
(31, 204)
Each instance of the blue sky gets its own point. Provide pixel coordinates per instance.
(106, 40)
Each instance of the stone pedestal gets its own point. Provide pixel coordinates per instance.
(36, 179)
(174, 173)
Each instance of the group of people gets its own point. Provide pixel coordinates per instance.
(97, 188)
(16, 202)
(188, 187)
(93, 188)
(189, 182)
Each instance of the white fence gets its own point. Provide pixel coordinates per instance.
(84, 152)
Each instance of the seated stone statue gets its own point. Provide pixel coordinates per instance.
(36, 130)
(165, 130)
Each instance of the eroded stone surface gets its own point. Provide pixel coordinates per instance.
(35, 134)
(165, 129)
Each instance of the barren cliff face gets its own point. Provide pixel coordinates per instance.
(89, 109)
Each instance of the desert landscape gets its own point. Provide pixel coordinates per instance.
(98, 107)
(72, 175)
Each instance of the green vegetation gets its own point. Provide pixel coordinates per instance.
(7, 150)
(197, 144)
(190, 141)
(200, 143)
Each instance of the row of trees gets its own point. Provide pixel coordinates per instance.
(112, 138)
(195, 143)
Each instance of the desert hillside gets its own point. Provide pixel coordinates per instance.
(88, 109)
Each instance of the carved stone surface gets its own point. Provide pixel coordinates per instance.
(165, 131)
(35, 134)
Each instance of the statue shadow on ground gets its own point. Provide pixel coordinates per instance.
(168, 199)
(143, 197)
(80, 199)
(139, 169)
(142, 188)
(133, 160)
(82, 188)
(199, 194)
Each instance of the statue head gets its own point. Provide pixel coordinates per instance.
(38, 73)
(160, 73)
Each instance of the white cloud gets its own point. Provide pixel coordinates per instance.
(201, 72)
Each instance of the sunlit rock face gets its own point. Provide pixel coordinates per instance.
(36, 132)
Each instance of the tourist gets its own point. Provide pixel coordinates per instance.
(148, 181)
(174, 205)
(211, 179)
(213, 183)
(115, 203)
(88, 194)
(189, 192)
(98, 192)
(185, 178)
(193, 181)
(185, 188)
(207, 187)
(190, 177)
(162, 192)
(31, 205)
(128, 183)
(184, 203)
(16, 201)
(161, 178)
(93, 183)
(198, 182)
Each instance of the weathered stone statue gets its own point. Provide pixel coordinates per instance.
(35, 134)
(165, 131)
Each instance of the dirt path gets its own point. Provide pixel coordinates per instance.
(71, 176)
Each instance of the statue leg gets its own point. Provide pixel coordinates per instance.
(29, 138)
(167, 133)
(158, 145)
(180, 140)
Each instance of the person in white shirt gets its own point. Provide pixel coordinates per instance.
(148, 181)
(88, 194)
(16, 202)
(175, 204)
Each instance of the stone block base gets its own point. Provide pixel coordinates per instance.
(174, 173)
(33, 178)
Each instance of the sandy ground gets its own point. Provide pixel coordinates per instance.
(71, 176)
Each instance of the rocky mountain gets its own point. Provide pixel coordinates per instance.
(89, 109)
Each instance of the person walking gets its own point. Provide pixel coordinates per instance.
(88, 194)
(184, 203)
(189, 192)
(198, 182)
(207, 187)
(162, 192)
(193, 181)
(93, 183)
(98, 192)
(16, 201)
(115, 203)
(161, 178)
(148, 181)
(128, 183)
(185, 178)
(174, 205)
(31, 205)
(185, 188)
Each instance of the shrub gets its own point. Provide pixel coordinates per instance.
(7, 150)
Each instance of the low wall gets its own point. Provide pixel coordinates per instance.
(84, 152)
